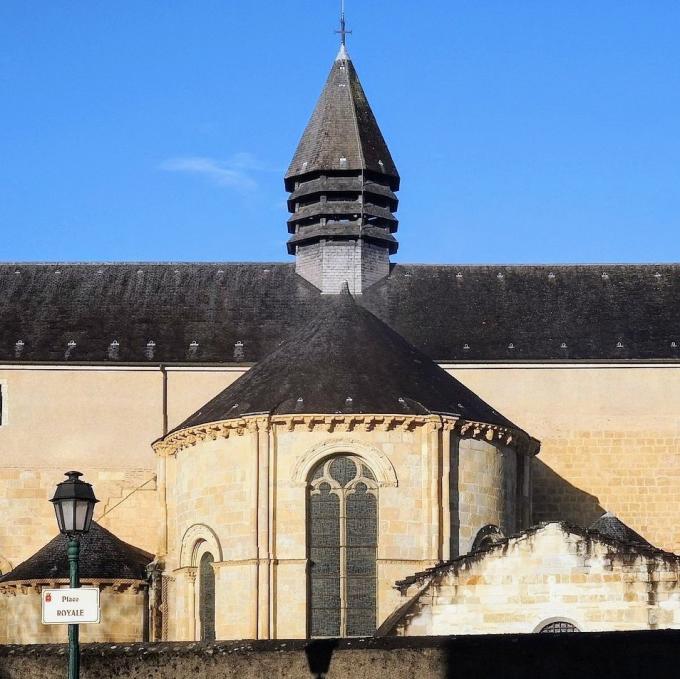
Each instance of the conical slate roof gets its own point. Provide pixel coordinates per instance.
(611, 526)
(346, 361)
(342, 133)
(102, 556)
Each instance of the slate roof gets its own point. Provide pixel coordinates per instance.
(346, 360)
(102, 556)
(342, 126)
(611, 526)
(589, 309)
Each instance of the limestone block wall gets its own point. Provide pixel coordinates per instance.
(3, 620)
(123, 615)
(340, 263)
(406, 529)
(100, 420)
(211, 499)
(239, 489)
(610, 439)
(251, 505)
(95, 420)
(552, 573)
(487, 489)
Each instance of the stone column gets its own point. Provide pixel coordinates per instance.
(192, 613)
(263, 550)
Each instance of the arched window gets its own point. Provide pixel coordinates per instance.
(486, 538)
(206, 597)
(343, 535)
(558, 626)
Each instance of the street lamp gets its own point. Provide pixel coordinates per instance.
(74, 503)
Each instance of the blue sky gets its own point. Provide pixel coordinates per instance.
(524, 130)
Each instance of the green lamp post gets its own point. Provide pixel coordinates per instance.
(74, 503)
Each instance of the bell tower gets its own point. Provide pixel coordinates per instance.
(342, 183)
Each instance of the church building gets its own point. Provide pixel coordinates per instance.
(339, 445)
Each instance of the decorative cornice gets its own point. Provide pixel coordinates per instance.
(27, 586)
(185, 438)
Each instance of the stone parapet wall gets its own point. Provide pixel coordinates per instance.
(624, 655)
(544, 574)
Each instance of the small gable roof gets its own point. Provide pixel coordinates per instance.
(611, 526)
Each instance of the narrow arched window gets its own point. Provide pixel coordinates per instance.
(206, 597)
(343, 535)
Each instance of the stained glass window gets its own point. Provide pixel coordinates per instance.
(206, 597)
(343, 533)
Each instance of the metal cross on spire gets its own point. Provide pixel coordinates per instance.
(342, 31)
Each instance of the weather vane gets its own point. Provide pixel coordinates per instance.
(342, 31)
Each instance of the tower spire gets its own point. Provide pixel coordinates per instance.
(342, 183)
(343, 27)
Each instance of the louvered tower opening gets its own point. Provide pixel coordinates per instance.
(342, 183)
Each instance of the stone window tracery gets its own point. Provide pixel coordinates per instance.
(343, 535)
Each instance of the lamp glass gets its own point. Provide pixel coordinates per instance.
(74, 504)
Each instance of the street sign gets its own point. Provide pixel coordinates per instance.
(70, 605)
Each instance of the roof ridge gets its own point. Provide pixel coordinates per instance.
(350, 92)
(357, 135)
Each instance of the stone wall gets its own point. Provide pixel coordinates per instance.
(375, 263)
(610, 439)
(101, 421)
(250, 492)
(123, 615)
(542, 575)
(340, 263)
(211, 492)
(240, 488)
(624, 655)
(487, 490)
(330, 263)
(308, 263)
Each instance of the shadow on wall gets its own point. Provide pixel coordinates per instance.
(555, 499)
(319, 654)
(622, 655)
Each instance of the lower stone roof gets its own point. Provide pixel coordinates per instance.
(611, 526)
(231, 312)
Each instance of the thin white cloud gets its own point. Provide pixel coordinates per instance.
(234, 173)
(247, 161)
